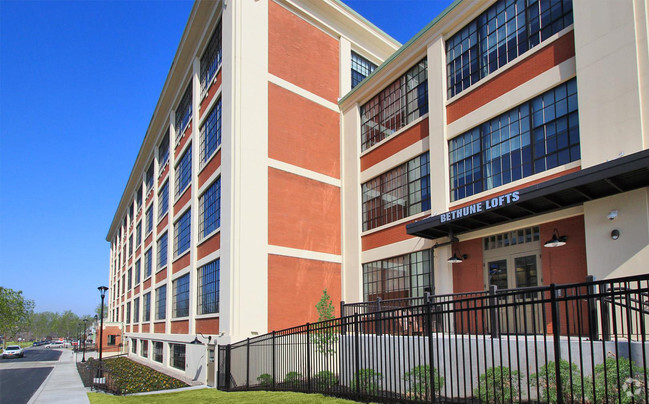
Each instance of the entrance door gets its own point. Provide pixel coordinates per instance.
(210, 365)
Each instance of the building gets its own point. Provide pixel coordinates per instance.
(503, 128)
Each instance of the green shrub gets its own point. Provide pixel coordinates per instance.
(418, 379)
(368, 380)
(265, 380)
(129, 377)
(325, 380)
(498, 385)
(631, 389)
(293, 379)
(547, 382)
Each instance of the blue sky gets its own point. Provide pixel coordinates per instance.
(79, 81)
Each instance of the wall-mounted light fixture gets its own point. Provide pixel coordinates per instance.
(457, 257)
(196, 341)
(556, 240)
(615, 234)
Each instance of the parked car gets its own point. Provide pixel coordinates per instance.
(13, 351)
(54, 344)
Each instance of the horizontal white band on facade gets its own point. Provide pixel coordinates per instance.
(398, 158)
(303, 172)
(303, 93)
(304, 254)
(396, 249)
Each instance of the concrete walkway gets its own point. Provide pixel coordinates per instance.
(63, 385)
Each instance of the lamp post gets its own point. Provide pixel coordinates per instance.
(85, 320)
(102, 292)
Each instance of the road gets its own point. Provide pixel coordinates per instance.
(21, 377)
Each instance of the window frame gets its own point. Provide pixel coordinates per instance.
(180, 308)
(182, 233)
(213, 282)
(213, 210)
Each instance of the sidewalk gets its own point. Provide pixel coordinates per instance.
(63, 385)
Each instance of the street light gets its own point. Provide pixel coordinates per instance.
(85, 320)
(102, 291)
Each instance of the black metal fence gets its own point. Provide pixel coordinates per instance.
(583, 343)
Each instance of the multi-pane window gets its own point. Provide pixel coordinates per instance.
(148, 178)
(180, 299)
(131, 212)
(184, 171)
(211, 59)
(533, 137)
(208, 288)
(145, 349)
(178, 356)
(398, 193)
(149, 219)
(130, 245)
(403, 101)
(157, 351)
(511, 238)
(184, 112)
(211, 134)
(163, 200)
(136, 310)
(138, 198)
(146, 307)
(128, 313)
(161, 303)
(182, 233)
(499, 35)
(138, 234)
(405, 276)
(129, 278)
(134, 345)
(112, 340)
(148, 262)
(162, 251)
(163, 151)
(361, 68)
(137, 272)
(210, 209)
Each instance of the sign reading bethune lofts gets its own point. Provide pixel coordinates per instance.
(482, 206)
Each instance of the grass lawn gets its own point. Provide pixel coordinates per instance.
(23, 344)
(212, 395)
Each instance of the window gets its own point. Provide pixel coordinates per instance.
(130, 245)
(399, 277)
(161, 303)
(163, 152)
(396, 106)
(131, 212)
(512, 238)
(208, 288)
(128, 313)
(531, 138)
(146, 307)
(138, 198)
(112, 339)
(129, 278)
(137, 272)
(157, 351)
(182, 233)
(138, 234)
(211, 59)
(361, 68)
(134, 346)
(184, 171)
(163, 200)
(211, 134)
(149, 220)
(148, 262)
(184, 112)
(136, 310)
(210, 209)
(499, 35)
(178, 356)
(162, 251)
(149, 178)
(145, 349)
(398, 193)
(181, 297)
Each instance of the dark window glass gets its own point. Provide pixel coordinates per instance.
(130, 245)
(148, 262)
(399, 277)
(361, 68)
(112, 339)
(145, 349)
(211, 134)
(134, 345)
(137, 272)
(398, 193)
(149, 220)
(210, 209)
(129, 278)
(178, 356)
(163, 200)
(183, 113)
(157, 351)
(128, 313)
(403, 101)
(149, 178)
(163, 152)
(208, 288)
(182, 233)
(161, 303)
(184, 171)
(528, 139)
(138, 198)
(211, 59)
(138, 234)
(162, 251)
(499, 35)
(146, 303)
(181, 297)
(136, 310)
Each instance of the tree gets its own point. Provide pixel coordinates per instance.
(98, 311)
(324, 336)
(15, 312)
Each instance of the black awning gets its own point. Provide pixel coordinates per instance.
(613, 177)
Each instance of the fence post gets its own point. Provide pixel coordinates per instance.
(308, 358)
(606, 327)
(273, 356)
(357, 355)
(592, 308)
(377, 317)
(228, 374)
(494, 321)
(429, 335)
(343, 331)
(248, 363)
(556, 331)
